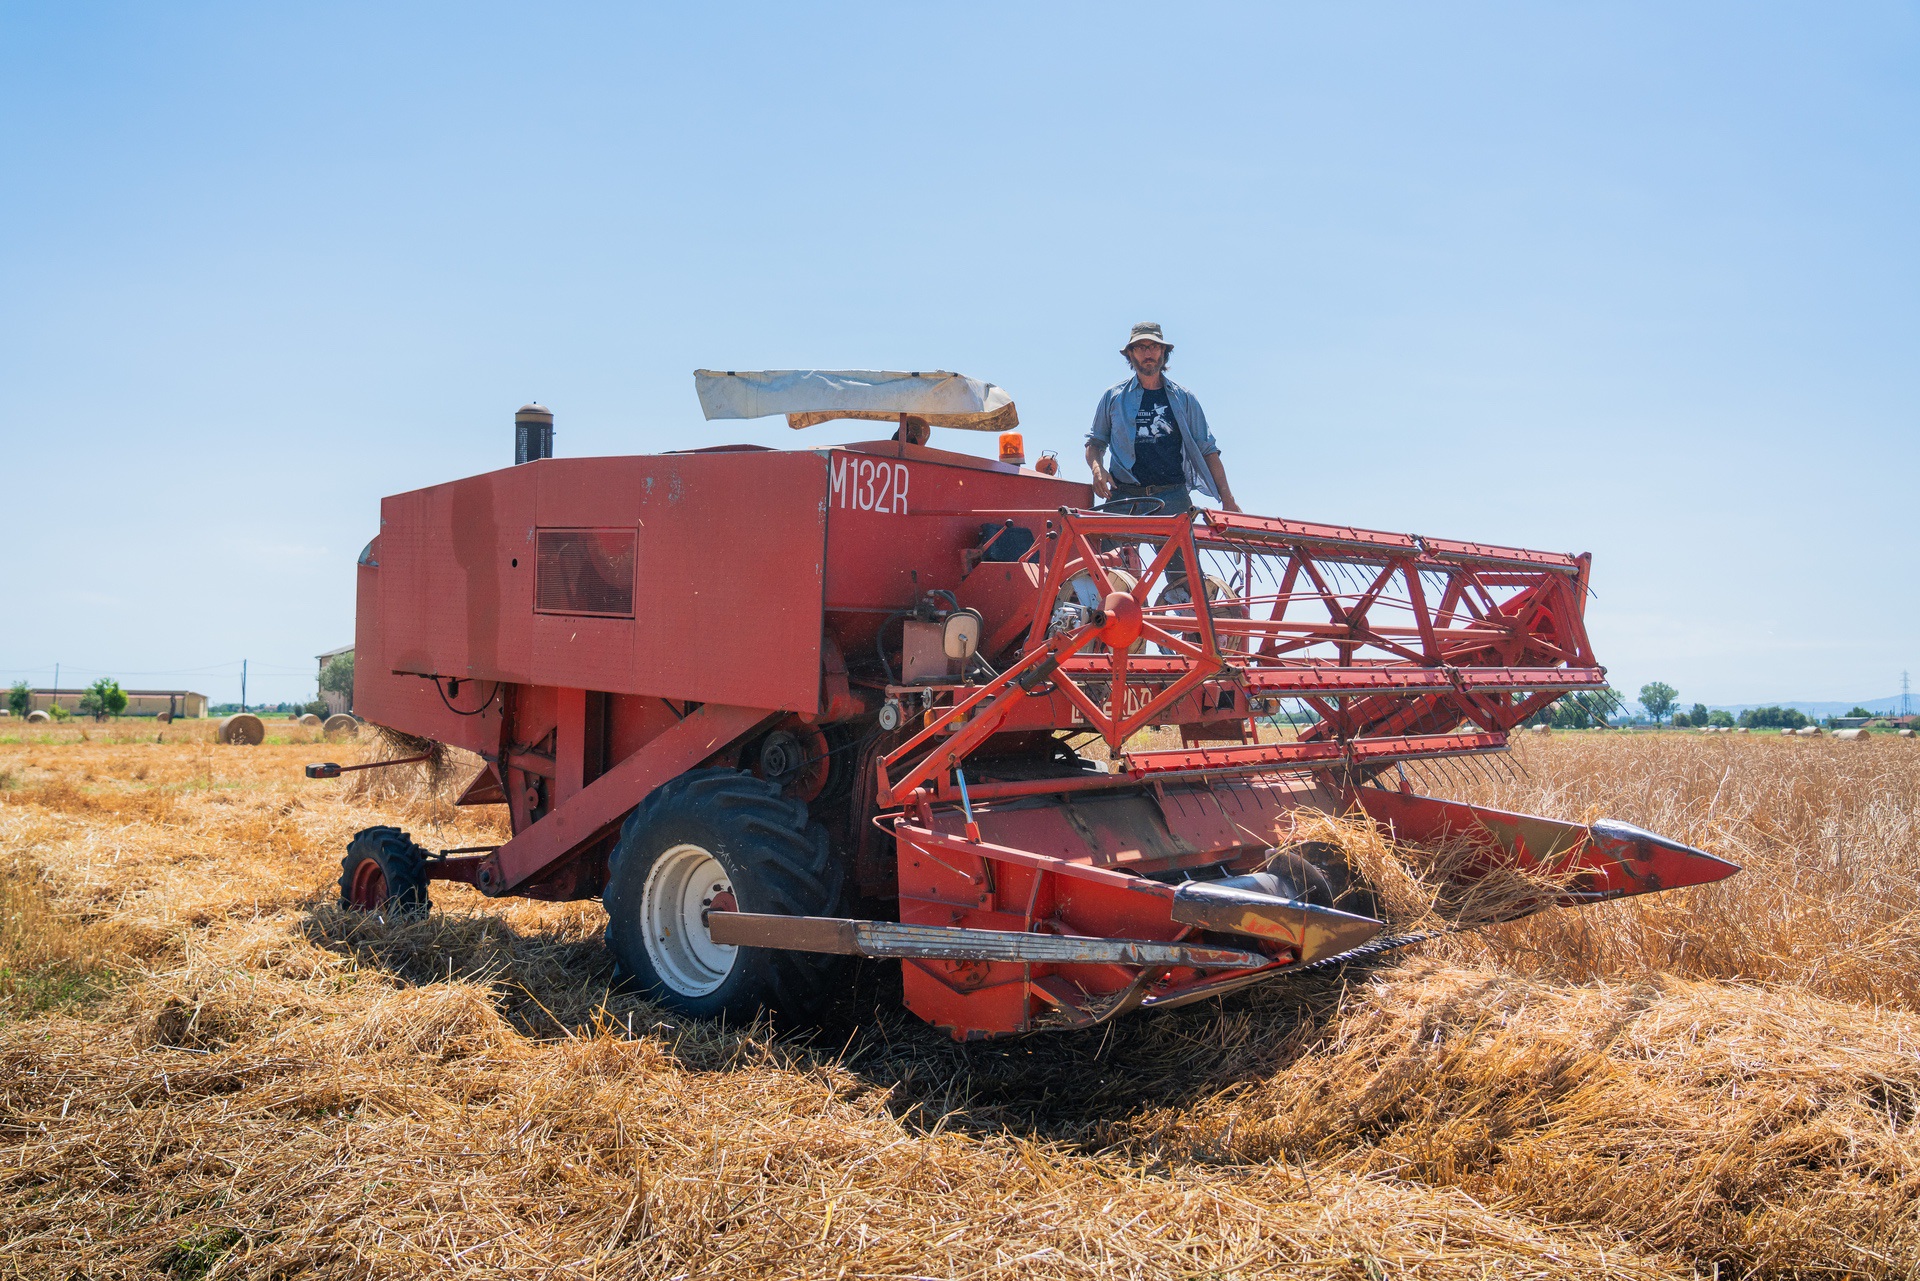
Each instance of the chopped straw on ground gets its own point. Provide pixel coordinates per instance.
(232, 1077)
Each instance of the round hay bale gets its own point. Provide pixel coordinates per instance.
(1808, 731)
(165, 718)
(1743, 730)
(1543, 729)
(38, 718)
(1906, 733)
(1852, 735)
(242, 728)
(340, 723)
(310, 721)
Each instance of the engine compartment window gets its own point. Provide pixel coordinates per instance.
(584, 571)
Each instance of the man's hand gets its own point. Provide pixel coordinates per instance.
(1219, 471)
(1102, 479)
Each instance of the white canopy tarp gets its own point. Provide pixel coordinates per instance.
(809, 396)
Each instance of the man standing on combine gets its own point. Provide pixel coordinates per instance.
(1162, 449)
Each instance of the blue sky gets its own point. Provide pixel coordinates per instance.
(1635, 279)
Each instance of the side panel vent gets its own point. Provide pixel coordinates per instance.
(584, 571)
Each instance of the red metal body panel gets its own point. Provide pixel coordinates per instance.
(899, 516)
(728, 573)
(408, 704)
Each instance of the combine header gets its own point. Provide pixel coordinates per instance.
(780, 708)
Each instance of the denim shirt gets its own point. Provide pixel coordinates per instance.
(1113, 427)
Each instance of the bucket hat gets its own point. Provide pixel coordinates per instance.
(1146, 331)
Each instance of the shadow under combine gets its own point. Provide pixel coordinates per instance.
(1080, 1087)
(546, 983)
(1073, 1087)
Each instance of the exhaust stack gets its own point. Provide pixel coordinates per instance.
(532, 433)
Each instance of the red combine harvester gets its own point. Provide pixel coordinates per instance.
(780, 708)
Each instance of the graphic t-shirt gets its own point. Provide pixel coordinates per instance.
(1156, 442)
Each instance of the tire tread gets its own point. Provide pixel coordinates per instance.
(404, 862)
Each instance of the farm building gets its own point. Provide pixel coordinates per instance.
(336, 703)
(140, 702)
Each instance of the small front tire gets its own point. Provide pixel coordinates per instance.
(384, 871)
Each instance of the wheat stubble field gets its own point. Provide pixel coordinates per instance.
(207, 1070)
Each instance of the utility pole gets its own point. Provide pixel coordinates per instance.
(55, 700)
(1906, 697)
(243, 684)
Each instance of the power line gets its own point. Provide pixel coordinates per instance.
(216, 669)
(229, 668)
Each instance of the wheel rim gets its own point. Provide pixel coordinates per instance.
(369, 885)
(682, 884)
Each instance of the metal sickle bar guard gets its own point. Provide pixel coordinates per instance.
(1395, 642)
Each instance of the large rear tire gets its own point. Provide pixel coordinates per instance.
(718, 837)
(384, 871)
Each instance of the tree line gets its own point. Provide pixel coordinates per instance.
(1660, 699)
(1591, 709)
